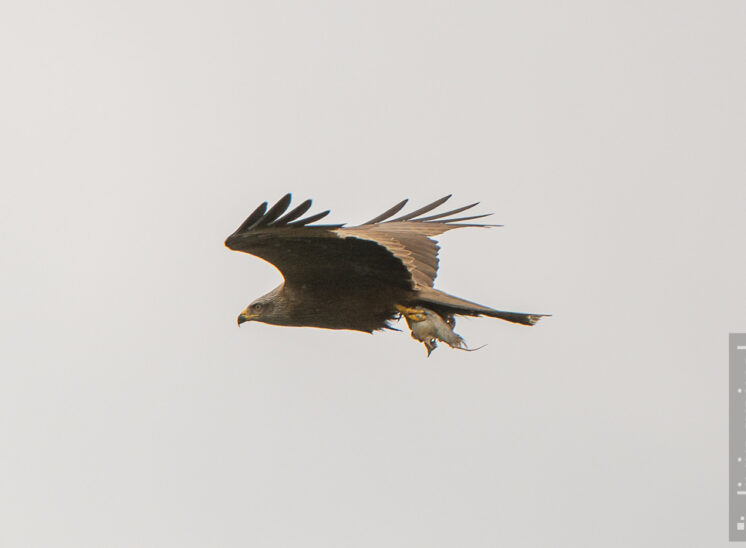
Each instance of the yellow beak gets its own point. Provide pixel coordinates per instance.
(246, 316)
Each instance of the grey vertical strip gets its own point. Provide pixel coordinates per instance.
(737, 428)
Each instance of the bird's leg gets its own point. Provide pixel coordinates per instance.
(411, 314)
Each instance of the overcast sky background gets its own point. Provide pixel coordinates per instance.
(608, 138)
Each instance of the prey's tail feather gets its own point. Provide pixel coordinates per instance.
(449, 304)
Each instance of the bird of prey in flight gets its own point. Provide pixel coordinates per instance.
(359, 277)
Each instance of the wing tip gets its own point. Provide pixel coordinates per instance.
(445, 217)
(388, 213)
(276, 217)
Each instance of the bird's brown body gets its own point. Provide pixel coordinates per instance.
(335, 306)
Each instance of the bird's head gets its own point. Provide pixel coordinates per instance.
(262, 309)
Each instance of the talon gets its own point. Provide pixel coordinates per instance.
(411, 314)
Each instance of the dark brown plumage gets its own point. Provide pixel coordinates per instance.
(340, 277)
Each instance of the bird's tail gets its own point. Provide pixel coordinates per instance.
(516, 317)
(446, 303)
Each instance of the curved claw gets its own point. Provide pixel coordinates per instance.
(411, 314)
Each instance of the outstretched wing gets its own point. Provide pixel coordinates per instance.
(409, 237)
(398, 252)
(309, 254)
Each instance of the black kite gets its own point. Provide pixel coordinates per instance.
(360, 277)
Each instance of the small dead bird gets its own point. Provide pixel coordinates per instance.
(429, 327)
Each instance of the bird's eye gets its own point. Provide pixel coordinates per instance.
(256, 307)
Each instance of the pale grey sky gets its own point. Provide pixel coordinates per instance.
(608, 138)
